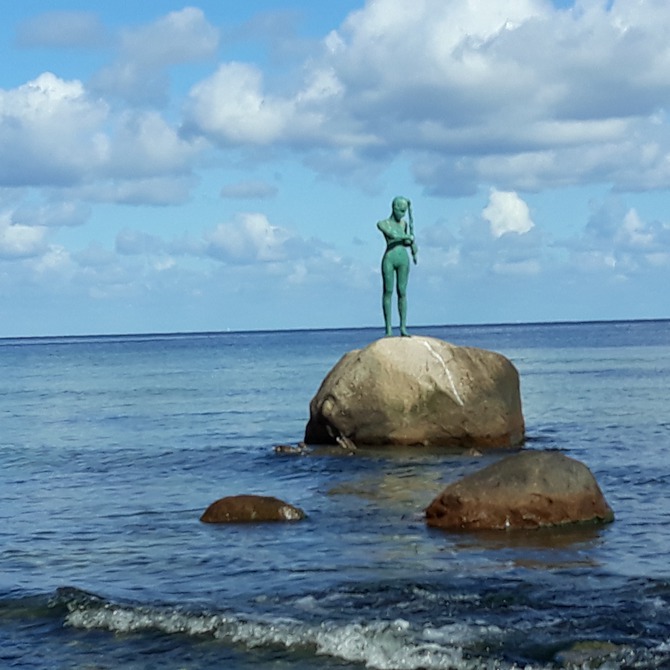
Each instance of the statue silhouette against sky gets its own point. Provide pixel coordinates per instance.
(399, 235)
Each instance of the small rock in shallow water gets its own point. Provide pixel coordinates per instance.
(589, 653)
(530, 489)
(292, 449)
(250, 509)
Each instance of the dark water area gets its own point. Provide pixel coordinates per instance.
(112, 447)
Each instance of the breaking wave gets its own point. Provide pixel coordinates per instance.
(381, 644)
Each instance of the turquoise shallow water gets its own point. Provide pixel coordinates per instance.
(112, 447)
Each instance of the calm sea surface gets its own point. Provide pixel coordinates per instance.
(112, 447)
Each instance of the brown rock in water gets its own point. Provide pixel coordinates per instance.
(250, 508)
(419, 391)
(530, 489)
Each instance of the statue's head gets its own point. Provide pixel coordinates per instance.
(399, 207)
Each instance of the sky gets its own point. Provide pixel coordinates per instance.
(174, 167)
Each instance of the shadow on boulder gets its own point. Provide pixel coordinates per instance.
(530, 489)
(250, 508)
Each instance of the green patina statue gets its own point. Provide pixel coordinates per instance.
(399, 235)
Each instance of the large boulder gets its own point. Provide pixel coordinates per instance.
(419, 391)
(250, 508)
(530, 489)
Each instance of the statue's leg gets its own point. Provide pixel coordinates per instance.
(387, 295)
(403, 274)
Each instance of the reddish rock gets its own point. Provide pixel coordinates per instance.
(419, 391)
(529, 489)
(250, 508)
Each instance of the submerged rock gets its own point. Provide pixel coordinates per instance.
(530, 489)
(291, 449)
(250, 508)
(419, 391)
(590, 654)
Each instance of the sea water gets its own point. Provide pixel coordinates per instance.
(112, 447)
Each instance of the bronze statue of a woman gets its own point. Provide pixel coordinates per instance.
(399, 235)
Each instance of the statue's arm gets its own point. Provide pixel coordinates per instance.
(393, 233)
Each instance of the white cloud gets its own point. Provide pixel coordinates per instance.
(506, 213)
(54, 133)
(231, 107)
(140, 75)
(234, 107)
(247, 246)
(146, 146)
(247, 239)
(53, 214)
(50, 132)
(19, 241)
(635, 233)
(616, 236)
(160, 190)
(178, 37)
(474, 91)
(56, 261)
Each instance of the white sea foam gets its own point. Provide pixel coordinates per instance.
(383, 645)
(462, 633)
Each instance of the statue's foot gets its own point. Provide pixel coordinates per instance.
(404, 333)
(389, 333)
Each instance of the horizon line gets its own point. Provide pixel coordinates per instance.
(186, 333)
